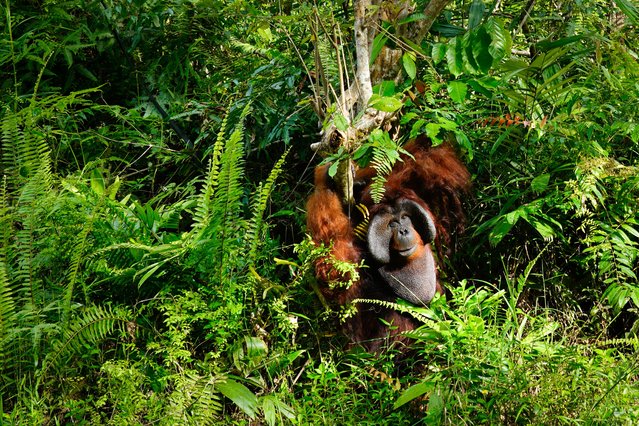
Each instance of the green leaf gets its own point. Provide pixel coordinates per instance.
(436, 406)
(386, 103)
(97, 182)
(547, 46)
(455, 57)
(406, 118)
(385, 88)
(413, 392)
(68, 56)
(362, 154)
(264, 31)
(465, 144)
(114, 187)
(480, 87)
(418, 16)
(340, 122)
(332, 170)
(470, 64)
(408, 60)
(500, 40)
(240, 395)
(544, 229)
(432, 130)
(628, 228)
(153, 268)
(416, 128)
(272, 406)
(416, 48)
(481, 50)
(438, 52)
(503, 226)
(476, 13)
(457, 91)
(540, 183)
(543, 224)
(85, 72)
(629, 9)
(378, 43)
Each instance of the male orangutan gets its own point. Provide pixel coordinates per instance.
(420, 210)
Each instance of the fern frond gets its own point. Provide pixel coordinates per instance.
(6, 221)
(377, 186)
(7, 318)
(7, 302)
(28, 189)
(260, 201)
(202, 215)
(229, 190)
(619, 343)
(361, 230)
(77, 257)
(89, 328)
(413, 311)
(221, 189)
(9, 137)
(226, 227)
(195, 400)
(613, 250)
(384, 154)
(27, 162)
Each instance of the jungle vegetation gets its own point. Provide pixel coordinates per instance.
(155, 157)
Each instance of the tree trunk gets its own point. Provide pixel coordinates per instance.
(354, 100)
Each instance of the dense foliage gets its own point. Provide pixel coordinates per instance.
(155, 156)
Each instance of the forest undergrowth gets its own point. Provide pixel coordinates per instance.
(154, 268)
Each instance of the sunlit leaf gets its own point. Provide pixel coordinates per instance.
(240, 395)
(408, 60)
(540, 183)
(413, 392)
(149, 273)
(503, 226)
(385, 88)
(97, 182)
(457, 91)
(432, 130)
(500, 40)
(332, 170)
(340, 122)
(386, 103)
(455, 57)
(438, 52)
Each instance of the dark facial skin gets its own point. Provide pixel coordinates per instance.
(399, 240)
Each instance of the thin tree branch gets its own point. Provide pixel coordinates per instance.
(525, 14)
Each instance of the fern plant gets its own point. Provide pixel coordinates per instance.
(604, 200)
(204, 279)
(8, 312)
(42, 326)
(92, 324)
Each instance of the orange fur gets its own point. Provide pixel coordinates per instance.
(436, 180)
(328, 224)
